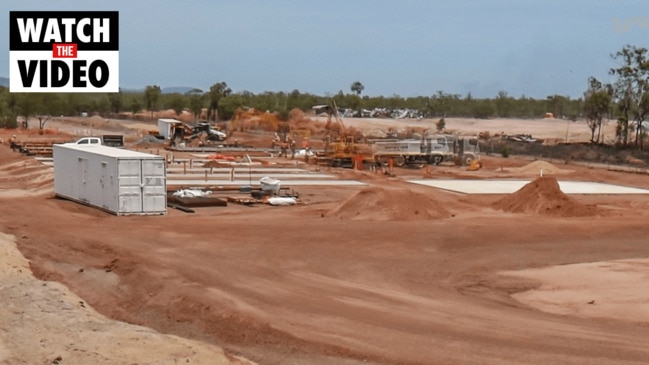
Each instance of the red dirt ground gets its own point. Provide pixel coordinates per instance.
(390, 273)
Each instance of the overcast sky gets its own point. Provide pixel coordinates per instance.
(406, 47)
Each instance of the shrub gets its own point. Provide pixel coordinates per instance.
(441, 124)
(505, 151)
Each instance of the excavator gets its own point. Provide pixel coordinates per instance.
(182, 133)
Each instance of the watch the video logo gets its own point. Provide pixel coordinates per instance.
(75, 51)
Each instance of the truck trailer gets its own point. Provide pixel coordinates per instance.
(430, 149)
(427, 150)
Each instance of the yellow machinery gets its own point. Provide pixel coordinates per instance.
(343, 147)
(475, 165)
(202, 132)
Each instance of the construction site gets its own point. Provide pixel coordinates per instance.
(318, 240)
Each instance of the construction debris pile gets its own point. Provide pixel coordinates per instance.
(269, 192)
(527, 138)
(398, 113)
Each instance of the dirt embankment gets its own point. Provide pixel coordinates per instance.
(45, 323)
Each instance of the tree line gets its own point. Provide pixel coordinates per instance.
(222, 103)
(626, 100)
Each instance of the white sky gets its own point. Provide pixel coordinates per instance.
(406, 47)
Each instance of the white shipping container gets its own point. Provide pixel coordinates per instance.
(164, 127)
(119, 181)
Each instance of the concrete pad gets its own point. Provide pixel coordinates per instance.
(511, 186)
(237, 169)
(241, 175)
(255, 182)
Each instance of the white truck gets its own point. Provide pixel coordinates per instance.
(109, 140)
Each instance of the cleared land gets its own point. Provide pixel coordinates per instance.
(387, 272)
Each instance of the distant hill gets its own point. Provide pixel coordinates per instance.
(4, 81)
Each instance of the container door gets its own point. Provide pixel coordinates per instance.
(154, 194)
(142, 186)
(130, 186)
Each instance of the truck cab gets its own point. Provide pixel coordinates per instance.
(89, 141)
(105, 140)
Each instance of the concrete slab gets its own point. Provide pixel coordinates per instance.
(511, 186)
(255, 183)
(253, 176)
(237, 169)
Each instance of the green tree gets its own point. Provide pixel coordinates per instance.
(177, 102)
(151, 98)
(269, 101)
(353, 102)
(116, 102)
(443, 104)
(630, 87)
(641, 116)
(557, 104)
(574, 109)
(295, 99)
(228, 105)
(135, 105)
(7, 115)
(40, 106)
(440, 125)
(216, 93)
(102, 103)
(357, 88)
(596, 105)
(78, 103)
(503, 104)
(483, 109)
(196, 102)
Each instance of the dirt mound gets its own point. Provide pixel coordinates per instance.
(541, 168)
(380, 204)
(544, 196)
(297, 115)
(299, 121)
